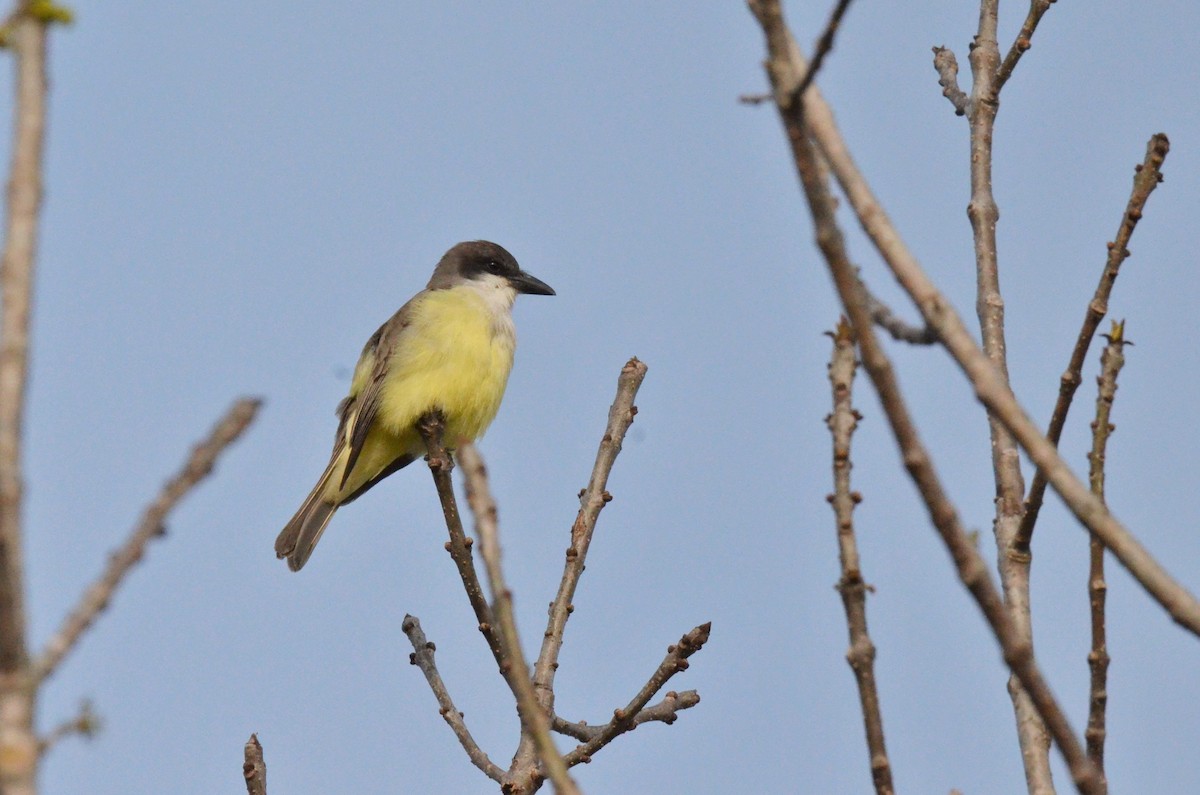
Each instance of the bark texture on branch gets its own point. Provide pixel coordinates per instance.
(842, 422)
(19, 745)
(1111, 362)
(783, 65)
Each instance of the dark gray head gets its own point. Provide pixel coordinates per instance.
(481, 260)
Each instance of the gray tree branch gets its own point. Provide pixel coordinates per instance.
(592, 500)
(665, 711)
(624, 719)
(422, 657)
(784, 67)
(1147, 176)
(254, 768)
(1111, 362)
(431, 427)
(842, 422)
(534, 717)
(1013, 564)
(152, 525)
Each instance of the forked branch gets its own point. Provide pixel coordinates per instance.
(625, 719)
(784, 66)
(536, 757)
(431, 427)
(781, 69)
(1146, 177)
(534, 717)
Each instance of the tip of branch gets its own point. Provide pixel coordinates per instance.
(251, 403)
(692, 642)
(1160, 144)
(843, 332)
(1116, 336)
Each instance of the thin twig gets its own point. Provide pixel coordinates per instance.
(781, 69)
(666, 711)
(947, 68)
(1111, 362)
(1146, 177)
(86, 724)
(431, 427)
(624, 719)
(755, 99)
(422, 657)
(1023, 42)
(592, 500)
(28, 38)
(535, 719)
(784, 66)
(152, 525)
(254, 767)
(901, 331)
(842, 421)
(1012, 563)
(823, 48)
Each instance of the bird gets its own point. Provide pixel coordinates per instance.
(449, 349)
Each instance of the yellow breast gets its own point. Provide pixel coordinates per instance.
(455, 355)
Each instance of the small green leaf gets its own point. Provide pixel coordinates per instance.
(49, 12)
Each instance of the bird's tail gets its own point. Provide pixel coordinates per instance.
(300, 536)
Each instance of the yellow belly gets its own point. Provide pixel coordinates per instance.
(455, 356)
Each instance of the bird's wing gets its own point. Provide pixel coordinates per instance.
(358, 410)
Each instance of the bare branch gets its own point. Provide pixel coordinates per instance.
(823, 48)
(96, 598)
(1023, 42)
(861, 656)
(535, 719)
(592, 500)
(784, 67)
(755, 99)
(1146, 177)
(883, 316)
(624, 719)
(665, 711)
(1012, 564)
(431, 427)
(254, 768)
(1111, 362)
(28, 38)
(422, 657)
(947, 68)
(86, 724)
(972, 571)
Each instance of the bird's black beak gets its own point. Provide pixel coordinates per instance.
(530, 285)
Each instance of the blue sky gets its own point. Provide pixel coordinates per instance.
(238, 194)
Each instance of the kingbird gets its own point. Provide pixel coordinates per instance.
(449, 349)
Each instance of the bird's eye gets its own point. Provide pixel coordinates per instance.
(493, 266)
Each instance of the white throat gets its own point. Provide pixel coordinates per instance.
(498, 296)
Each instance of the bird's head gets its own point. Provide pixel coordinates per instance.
(487, 265)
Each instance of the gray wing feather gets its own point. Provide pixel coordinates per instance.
(366, 403)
